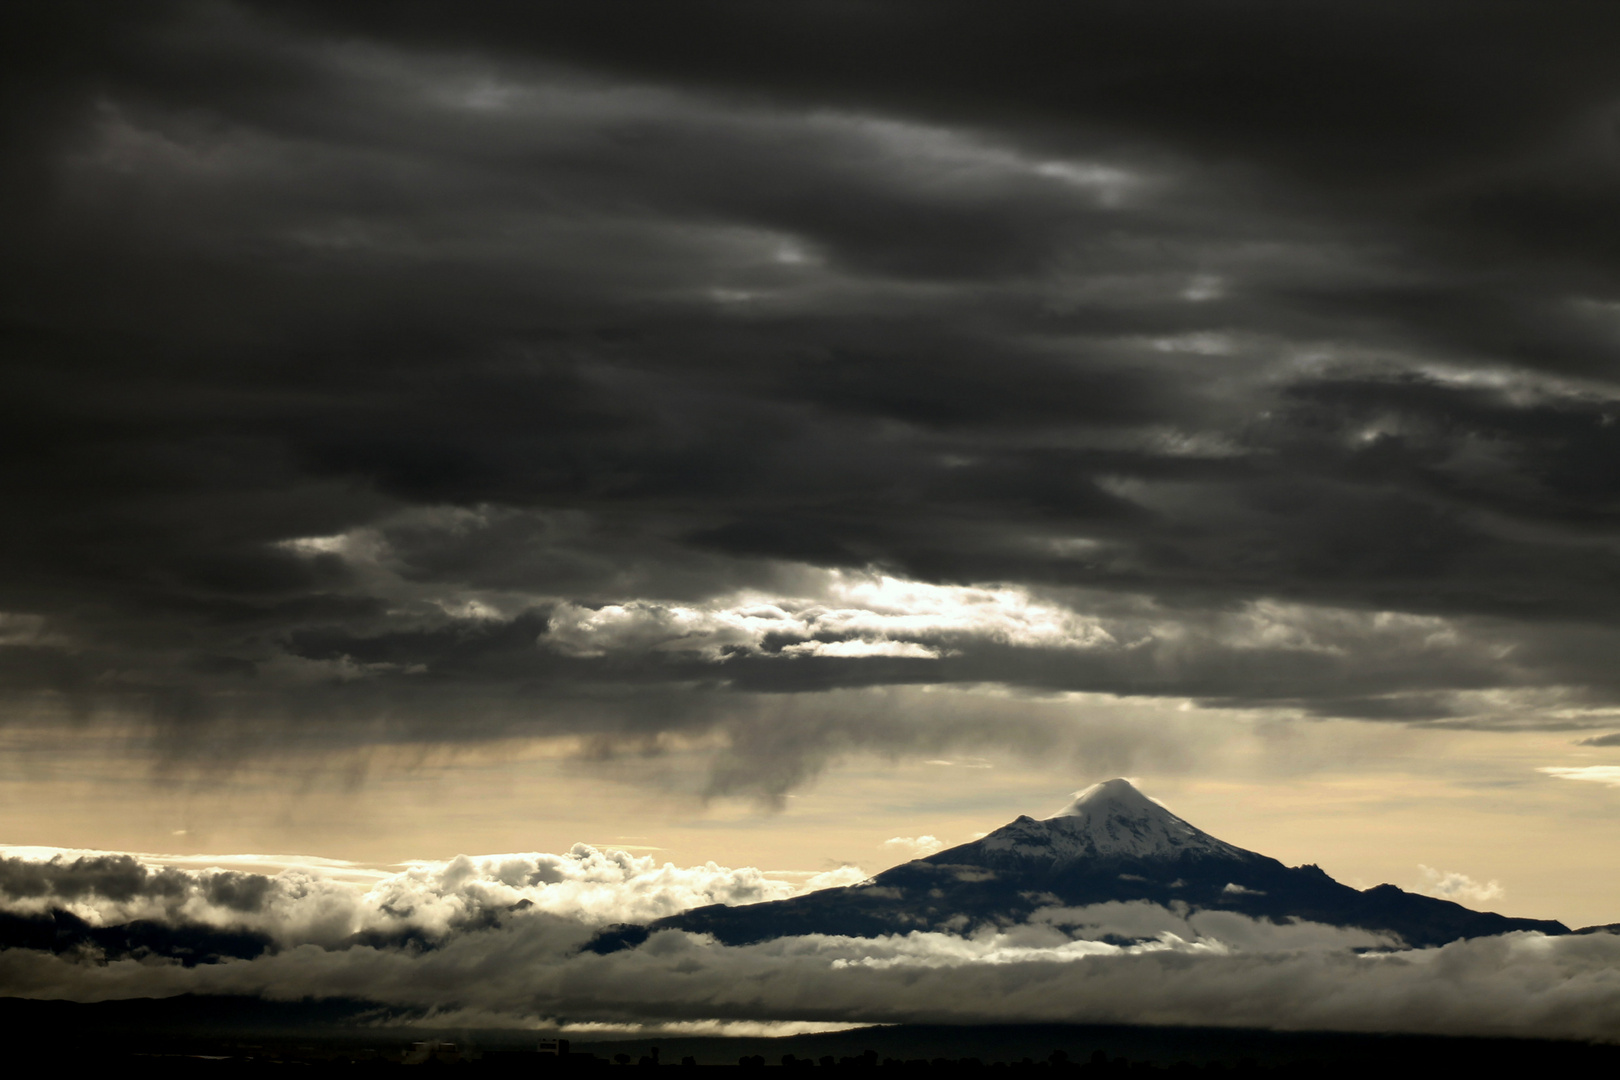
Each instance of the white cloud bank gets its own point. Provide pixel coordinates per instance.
(316, 904)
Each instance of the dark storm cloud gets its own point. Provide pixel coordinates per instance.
(468, 370)
(117, 877)
(123, 879)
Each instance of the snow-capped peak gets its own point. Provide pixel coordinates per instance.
(1107, 820)
(1113, 798)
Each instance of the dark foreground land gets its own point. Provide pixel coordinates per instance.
(216, 1034)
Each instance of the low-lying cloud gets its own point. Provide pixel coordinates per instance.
(425, 902)
(501, 937)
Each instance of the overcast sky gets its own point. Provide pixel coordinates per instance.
(785, 433)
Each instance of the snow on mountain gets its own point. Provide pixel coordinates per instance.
(1107, 820)
(1112, 844)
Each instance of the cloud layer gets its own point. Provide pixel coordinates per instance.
(426, 903)
(498, 939)
(461, 374)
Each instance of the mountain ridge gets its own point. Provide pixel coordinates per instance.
(1112, 843)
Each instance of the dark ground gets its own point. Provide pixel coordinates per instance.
(219, 1032)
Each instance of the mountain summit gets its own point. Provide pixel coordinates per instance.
(1112, 843)
(1107, 820)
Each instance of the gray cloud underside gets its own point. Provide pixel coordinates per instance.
(503, 316)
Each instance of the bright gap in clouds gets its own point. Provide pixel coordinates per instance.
(854, 615)
(868, 614)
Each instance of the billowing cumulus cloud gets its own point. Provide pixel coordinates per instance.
(426, 902)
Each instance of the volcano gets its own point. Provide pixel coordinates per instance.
(1111, 843)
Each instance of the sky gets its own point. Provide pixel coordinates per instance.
(795, 437)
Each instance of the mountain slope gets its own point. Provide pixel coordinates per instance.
(1111, 844)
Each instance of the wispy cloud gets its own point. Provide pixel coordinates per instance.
(1452, 885)
(1608, 775)
(914, 847)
